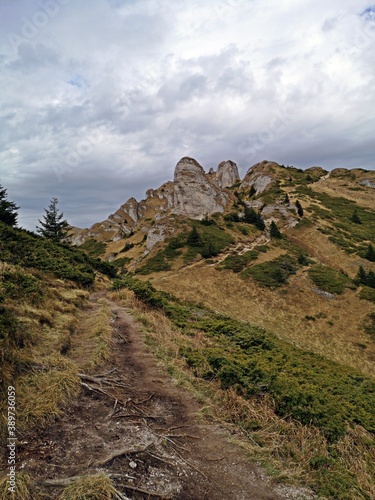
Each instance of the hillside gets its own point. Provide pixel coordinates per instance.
(302, 286)
(220, 320)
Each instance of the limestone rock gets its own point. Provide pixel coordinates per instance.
(195, 194)
(260, 176)
(155, 235)
(227, 174)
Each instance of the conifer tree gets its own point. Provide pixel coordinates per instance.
(54, 227)
(250, 215)
(194, 239)
(370, 254)
(361, 276)
(355, 217)
(299, 208)
(259, 223)
(274, 230)
(8, 209)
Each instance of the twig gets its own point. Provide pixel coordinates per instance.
(120, 453)
(181, 436)
(136, 403)
(60, 482)
(134, 416)
(107, 373)
(145, 492)
(189, 464)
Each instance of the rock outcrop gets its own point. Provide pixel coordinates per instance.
(259, 176)
(227, 174)
(195, 195)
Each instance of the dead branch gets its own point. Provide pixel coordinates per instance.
(121, 415)
(107, 373)
(181, 436)
(121, 453)
(145, 492)
(136, 403)
(61, 483)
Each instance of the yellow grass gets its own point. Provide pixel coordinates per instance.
(94, 487)
(284, 447)
(336, 332)
(92, 343)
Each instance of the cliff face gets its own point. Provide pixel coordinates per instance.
(195, 194)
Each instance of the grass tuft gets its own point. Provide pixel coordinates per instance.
(95, 487)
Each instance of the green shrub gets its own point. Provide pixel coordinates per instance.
(93, 247)
(328, 279)
(303, 385)
(272, 273)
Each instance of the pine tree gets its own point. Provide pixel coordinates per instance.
(8, 209)
(299, 208)
(274, 230)
(252, 191)
(355, 217)
(286, 199)
(259, 223)
(54, 227)
(194, 239)
(361, 276)
(370, 254)
(250, 215)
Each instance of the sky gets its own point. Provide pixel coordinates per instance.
(101, 98)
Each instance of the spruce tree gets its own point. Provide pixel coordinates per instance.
(370, 254)
(274, 230)
(286, 199)
(54, 227)
(259, 223)
(299, 208)
(8, 209)
(361, 276)
(194, 239)
(355, 217)
(250, 215)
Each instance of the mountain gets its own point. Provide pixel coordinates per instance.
(302, 286)
(256, 294)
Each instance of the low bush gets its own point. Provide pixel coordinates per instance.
(328, 279)
(273, 273)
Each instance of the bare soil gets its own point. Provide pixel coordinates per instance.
(132, 423)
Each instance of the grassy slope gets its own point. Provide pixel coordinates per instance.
(271, 390)
(43, 287)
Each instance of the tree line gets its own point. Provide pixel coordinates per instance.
(52, 226)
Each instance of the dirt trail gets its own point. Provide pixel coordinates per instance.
(163, 452)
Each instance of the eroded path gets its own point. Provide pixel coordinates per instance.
(132, 423)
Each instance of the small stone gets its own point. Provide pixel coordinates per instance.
(133, 465)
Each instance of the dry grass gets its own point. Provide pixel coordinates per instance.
(92, 343)
(285, 447)
(40, 394)
(24, 489)
(95, 487)
(336, 331)
(336, 187)
(44, 378)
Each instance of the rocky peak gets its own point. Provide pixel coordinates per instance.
(260, 176)
(227, 174)
(195, 194)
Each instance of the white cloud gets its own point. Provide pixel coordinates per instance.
(100, 100)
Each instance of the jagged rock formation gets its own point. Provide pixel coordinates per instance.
(227, 174)
(195, 195)
(259, 176)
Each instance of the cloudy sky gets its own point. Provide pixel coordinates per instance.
(101, 98)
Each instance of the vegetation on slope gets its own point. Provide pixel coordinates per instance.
(300, 411)
(40, 296)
